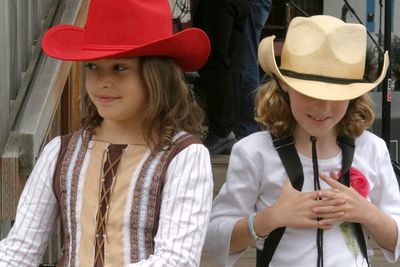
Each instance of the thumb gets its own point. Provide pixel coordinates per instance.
(287, 187)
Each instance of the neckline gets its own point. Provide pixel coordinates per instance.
(322, 163)
(118, 145)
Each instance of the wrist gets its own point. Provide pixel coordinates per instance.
(274, 216)
(372, 216)
(265, 222)
(255, 235)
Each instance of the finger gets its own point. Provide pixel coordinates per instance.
(323, 224)
(325, 210)
(314, 223)
(334, 175)
(337, 201)
(330, 221)
(287, 186)
(287, 183)
(332, 182)
(337, 216)
(327, 194)
(325, 227)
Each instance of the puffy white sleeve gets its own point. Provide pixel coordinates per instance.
(386, 196)
(235, 200)
(36, 213)
(185, 210)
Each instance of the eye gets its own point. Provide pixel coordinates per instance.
(91, 66)
(119, 67)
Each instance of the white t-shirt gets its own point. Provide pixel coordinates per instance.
(254, 180)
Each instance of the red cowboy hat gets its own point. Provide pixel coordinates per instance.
(128, 28)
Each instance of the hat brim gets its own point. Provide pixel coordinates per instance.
(189, 48)
(316, 89)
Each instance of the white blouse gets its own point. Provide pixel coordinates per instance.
(185, 210)
(254, 180)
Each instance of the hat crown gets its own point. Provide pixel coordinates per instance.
(325, 46)
(126, 23)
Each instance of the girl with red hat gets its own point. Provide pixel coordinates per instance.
(134, 186)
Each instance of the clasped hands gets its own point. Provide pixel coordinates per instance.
(320, 209)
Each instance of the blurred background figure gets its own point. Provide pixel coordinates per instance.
(224, 22)
(249, 74)
(230, 78)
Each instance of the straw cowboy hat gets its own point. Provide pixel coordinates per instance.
(322, 57)
(128, 28)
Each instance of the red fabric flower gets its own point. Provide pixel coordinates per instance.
(358, 181)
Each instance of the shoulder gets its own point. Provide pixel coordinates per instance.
(48, 156)
(369, 142)
(370, 151)
(52, 146)
(255, 151)
(254, 144)
(183, 137)
(186, 142)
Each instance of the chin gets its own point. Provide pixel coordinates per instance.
(108, 116)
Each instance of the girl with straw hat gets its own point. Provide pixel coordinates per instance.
(134, 186)
(312, 187)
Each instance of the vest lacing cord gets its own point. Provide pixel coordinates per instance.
(317, 186)
(109, 169)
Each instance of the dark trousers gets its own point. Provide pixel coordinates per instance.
(223, 21)
(249, 76)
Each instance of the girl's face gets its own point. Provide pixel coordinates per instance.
(116, 88)
(315, 117)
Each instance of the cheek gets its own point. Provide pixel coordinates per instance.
(89, 78)
(298, 107)
(89, 84)
(341, 108)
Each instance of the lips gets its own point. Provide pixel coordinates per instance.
(104, 99)
(319, 118)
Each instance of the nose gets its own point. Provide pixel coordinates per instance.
(322, 104)
(103, 80)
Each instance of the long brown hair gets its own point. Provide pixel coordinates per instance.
(171, 104)
(273, 112)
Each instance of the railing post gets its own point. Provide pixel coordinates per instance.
(23, 48)
(5, 71)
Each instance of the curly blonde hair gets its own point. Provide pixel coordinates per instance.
(172, 106)
(273, 112)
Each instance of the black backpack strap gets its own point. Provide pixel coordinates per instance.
(347, 145)
(291, 161)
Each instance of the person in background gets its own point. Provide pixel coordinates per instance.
(249, 74)
(217, 86)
